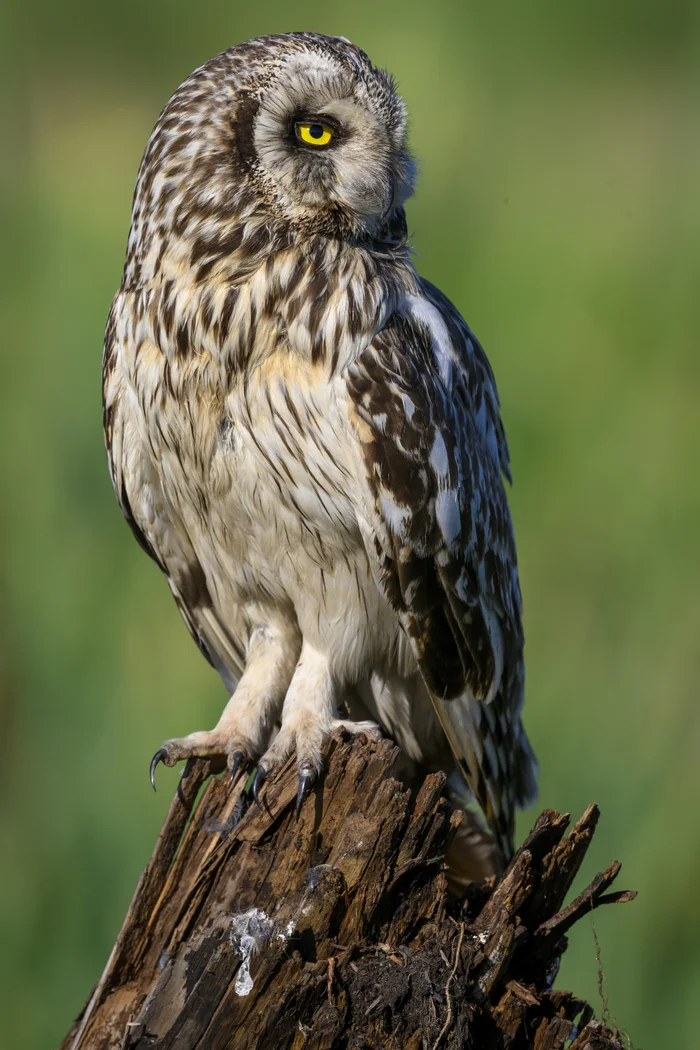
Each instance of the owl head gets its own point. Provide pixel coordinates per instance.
(327, 135)
(283, 136)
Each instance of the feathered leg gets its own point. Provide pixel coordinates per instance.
(243, 731)
(309, 717)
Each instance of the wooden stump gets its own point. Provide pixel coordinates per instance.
(251, 930)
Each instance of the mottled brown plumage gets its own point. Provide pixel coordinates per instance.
(305, 435)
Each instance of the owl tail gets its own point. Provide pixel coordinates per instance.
(495, 759)
(526, 770)
(472, 856)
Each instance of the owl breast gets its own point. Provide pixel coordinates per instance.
(282, 466)
(257, 483)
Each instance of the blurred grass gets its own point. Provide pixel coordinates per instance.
(558, 206)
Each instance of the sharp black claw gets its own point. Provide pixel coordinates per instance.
(306, 780)
(258, 781)
(238, 757)
(158, 757)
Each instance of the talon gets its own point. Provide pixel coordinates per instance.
(238, 758)
(258, 781)
(158, 757)
(306, 780)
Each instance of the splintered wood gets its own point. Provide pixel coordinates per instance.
(250, 930)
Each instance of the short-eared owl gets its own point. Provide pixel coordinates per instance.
(305, 435)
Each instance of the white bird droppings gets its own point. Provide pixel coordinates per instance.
(249, 931)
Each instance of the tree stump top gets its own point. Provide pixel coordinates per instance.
(249, 929)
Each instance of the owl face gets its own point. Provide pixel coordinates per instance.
(268, 143)
(328, 138)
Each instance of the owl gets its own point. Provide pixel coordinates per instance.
(305, 436)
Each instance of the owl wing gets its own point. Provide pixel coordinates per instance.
(438, 531)
(159, 531)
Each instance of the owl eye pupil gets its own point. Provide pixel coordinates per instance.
(316, 131)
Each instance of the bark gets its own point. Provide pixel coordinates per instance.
(251, 930)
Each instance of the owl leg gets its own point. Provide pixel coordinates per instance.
(308, 721)
(243, 731)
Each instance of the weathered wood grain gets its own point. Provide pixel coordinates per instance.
(251, 930)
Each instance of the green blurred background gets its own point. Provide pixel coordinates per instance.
(559, 147)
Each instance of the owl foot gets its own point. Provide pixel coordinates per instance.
(238, 759)
(202, 745)
(243, 731)
(308, 742)
(305, 782)
(258, 781)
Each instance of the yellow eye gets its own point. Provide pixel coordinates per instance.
(314, 134)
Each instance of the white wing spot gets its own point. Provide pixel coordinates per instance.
(462, 588)
(430, 316)
(394, 514)
(447, 514)
(410, 593)
(408, 406)
(438, 455)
